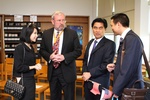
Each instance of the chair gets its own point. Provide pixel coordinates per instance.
(47, 94)
(79, 81)
(111, 81)
(2, 93)
(42, 74)
(38, 60)
(2, 83)
(5, 72)
(80, 84)
(40, 88)
(8, 67)
(1, 71)
(79, 64)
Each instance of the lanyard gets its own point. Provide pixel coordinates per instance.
(57, 37)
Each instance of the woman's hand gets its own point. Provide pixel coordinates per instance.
(38, 66)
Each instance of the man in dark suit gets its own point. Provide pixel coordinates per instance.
(61, 57)
(127, 70)
(96, 59)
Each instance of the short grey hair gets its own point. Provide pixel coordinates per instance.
(57, 13)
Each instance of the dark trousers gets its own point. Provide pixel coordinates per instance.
(57, 84)
(89, 95)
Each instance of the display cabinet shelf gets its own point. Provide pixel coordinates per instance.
(12, 32)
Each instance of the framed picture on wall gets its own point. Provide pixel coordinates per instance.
(82, 35)
(79, 30)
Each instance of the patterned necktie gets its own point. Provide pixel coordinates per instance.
(94, 45)
(56, 48)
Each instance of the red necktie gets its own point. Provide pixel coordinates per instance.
(56, 48)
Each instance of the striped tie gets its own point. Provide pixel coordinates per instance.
(56, 48)
(94, 45)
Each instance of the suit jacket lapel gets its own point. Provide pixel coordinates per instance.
(99, 45)
(88, 47)
(51, 40)
(65, 38)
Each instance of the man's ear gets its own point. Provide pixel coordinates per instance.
(52, 21)
(119, 24)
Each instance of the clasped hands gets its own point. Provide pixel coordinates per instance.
(56, 57)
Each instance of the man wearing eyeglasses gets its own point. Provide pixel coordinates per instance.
(60, 47)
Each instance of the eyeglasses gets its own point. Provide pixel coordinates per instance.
(63, 20)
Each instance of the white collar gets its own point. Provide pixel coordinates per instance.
(125, 33)
(98, 39)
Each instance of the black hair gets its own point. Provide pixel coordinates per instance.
(100, 20)
(26, 32)
(122, 18)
